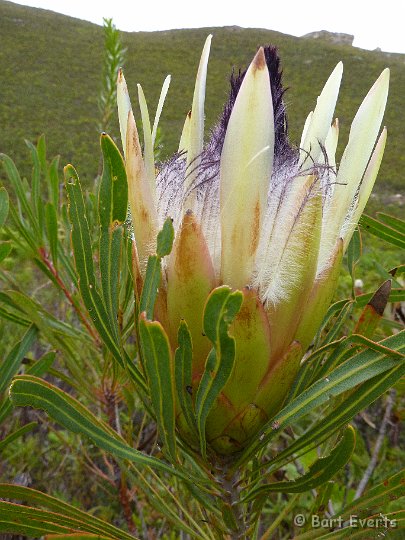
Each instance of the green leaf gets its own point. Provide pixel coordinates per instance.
(354, 252)
(4, 205)
(356, 370)
(220, 310)
(153, 272)
(53, 183)
(158, 366)
(16, 434)
(357, 401)
(36, 195)
(112, 212)
(377, 497)
(78, 536)
(150, 287)
(20, 191)
(39, 368)
(383, 231)
(165, 239)
(319, 472)
(115, 176)
(11, 364)
(18, 519)
(61, 508)
(5, 250)
(82, 249)
(183, 374)
(41, 151)
(71, 414)
(51, 225)
(394, 222)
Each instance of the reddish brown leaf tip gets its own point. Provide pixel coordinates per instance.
(259, 61)
(380, 297)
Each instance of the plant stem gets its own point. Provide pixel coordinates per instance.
(63, 288)
(377, 447)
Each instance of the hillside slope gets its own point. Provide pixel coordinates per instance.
(50, 70)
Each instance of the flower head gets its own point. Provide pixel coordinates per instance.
(255, 213)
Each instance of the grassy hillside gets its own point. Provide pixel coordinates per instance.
(50, 69)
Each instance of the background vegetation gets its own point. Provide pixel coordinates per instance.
(51, 69)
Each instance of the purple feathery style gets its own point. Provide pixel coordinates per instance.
(282, 148)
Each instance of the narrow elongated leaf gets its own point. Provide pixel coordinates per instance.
(51, 225)
(357, 401)
(377, 497)
(53, 183)
(386, 232)
(319, 472)
(165, 239)
(77, 536)
(36, 195)
(18, 519)
(16, 434)
(392, 221)
(183, 374)
(39, 368)
(32, 496)
(82, 249)
(68, 412)
(5, 250)
(356, 370)
(153, 274)
(150, 287)
(45, 321)
(158, 365)
(373, 311)
(220, 310)
(354, 252)
(33, 522)
(112, 205)
(4, 205)
(11, 363)
(20, 190)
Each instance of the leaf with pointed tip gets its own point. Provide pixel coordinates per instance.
(323, 429)
(20, 191)
(153, 270)
(319, 472)
(355, 371)
(392, 221)
(220, 310)
(386, 232)
(4, 205)
(113, 205)
(16, 434)
(51, 226)
(373, 311)
(11, 364)
(354, 252)
(183, 375)
(27, 390)
(62, 508)
(157, 359)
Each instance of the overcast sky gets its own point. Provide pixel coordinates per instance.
(373, 23)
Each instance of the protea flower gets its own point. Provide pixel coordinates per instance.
(255, 213)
